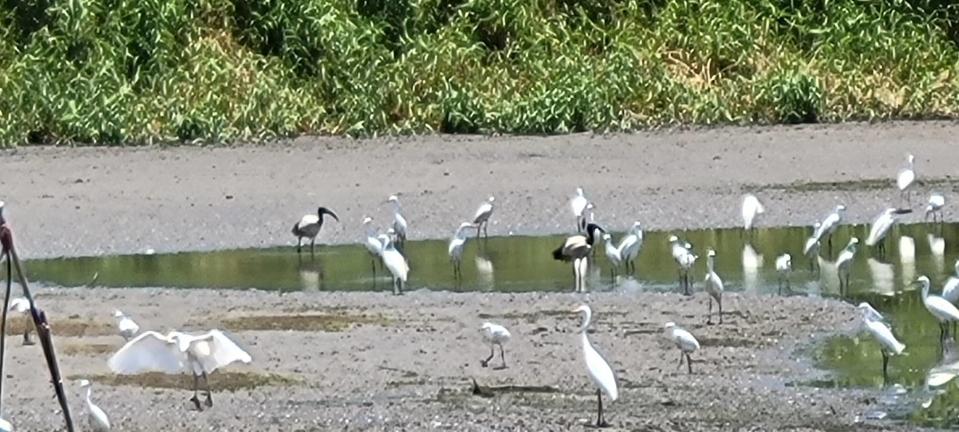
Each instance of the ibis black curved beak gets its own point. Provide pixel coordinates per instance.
(593, 226)
(323, 210)
(903, 211)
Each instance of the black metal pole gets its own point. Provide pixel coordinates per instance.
(3, 323)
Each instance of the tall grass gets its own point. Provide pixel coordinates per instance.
(134, 71)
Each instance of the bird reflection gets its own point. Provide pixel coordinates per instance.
(883, 277)
(752, 263)
(907, 257)
(484, 272)
(937, 247)
(311, 274)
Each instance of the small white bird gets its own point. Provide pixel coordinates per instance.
(21, 306)
(939, 307)
(399, 222)
(751, 209)
(811, 248)
(372, 243)
(880, 228)
(176, 353)
(936, 202)
(578, 205)
(576, 249)
(597, 367)
(612, 254)
(843, 264)
(495, 334)
(481, 218)
(906, 177)
(395, 263)
(889, 345)
(630, 245)
(309, 227)
(714, 287)
(830, 224)
(127, 327)
(456, 246)
(684, 258)
(5, 426)
(784, 266)
(950, 291)
(95, 416)
(684, 341)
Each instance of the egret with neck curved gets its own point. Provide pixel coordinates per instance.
(96, 417)
(597, 368)
(940, 308)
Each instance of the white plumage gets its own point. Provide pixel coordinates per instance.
(936, 202)
(96, 417)
(578, 205)
(684, 258)
(844, 262)
(950, 291)
(751, 209)
(907, 175)
(830, 224)
(372, 243)
(683, 340)
(399, 221)
(456, 246)
(612, 253)
(880, 227)
(942, 309)
(784, 266)
(125, 325)
(630, 245)
(5, 426)
(395, 263)
(21, 306)
(495, 334)
(598, 369)
(481, 218)
(714, 287)
(888, 343)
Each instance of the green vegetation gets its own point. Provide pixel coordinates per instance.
(119, 71)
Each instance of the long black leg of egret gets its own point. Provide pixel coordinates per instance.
(600, 419)
(209, 394)
(709, 314)
(196, 386)
(502, 355)
(312, 244)
(885, 363)
(492, 351)
(689, 363)
(681, 356)
(299, 244)
(720, 301)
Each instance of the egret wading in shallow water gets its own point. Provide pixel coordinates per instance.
(394, 261)
(372, 243)
(455, 250)
(96, 418)
(784, 266)
(481, 218)
(888, 344)
(21, 307)
(309, 227)
(950, 291)
(880, 228)
(843, 264)
(714, 287)
(684, 341)
(613, 255)
(597, 368)
(126, 326)
(578, 205)
(495, 334)
(576, 249)
(906, 178)
(811, 248)
(176, 353)
(752, 208)
(939, 307)
(829, 225)
(399, 222)
(936, 202)
(630, 245)
(684, 259)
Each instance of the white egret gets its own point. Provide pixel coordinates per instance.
(576, 249)
(811, 248)
(888, 344)
(481, 218)
(127, 327)
(906, 178)
(578, 205)
(399, 222)
(95, 416)
(843, 264)
(630, 245)
(830, 224)
(939, 307)
(21, 306)
(612, 254)
(936, 202)
(495, 334)
(395, 263)
(5, 426)
(950, 291)
(714, 287)
(372, 243)
(684, 258)
(751, 209)
(684, 341)
(784, 266)
(880, 228)
(176, 353)
(309, 227)
(597, 368)
(456, 246)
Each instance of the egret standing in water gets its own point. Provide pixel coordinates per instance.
(372, 243)
(936, 202)
(939, 307)
(811, 248)
(578, 205)
(906, 178)
(880, 228)
(829, 225)
(457, 244)
(888, 344)
(844, 262)
(495, 334)
(597, 368)
(481, 218)
(309, 227)
(95, 416)
(684, 258)
(714, 287)
(613, 255)
(399, 221)
(684, 341)
(950, 291)
(630, 245)
(394, 261)
(751, 209)
(784, 266)
(576, 249)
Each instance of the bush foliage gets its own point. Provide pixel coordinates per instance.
(133, 71)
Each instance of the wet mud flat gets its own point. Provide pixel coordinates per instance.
(374, 361)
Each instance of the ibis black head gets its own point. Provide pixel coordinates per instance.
(323, 210)
(591, 231)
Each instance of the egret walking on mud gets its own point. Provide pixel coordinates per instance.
(598, 369)
(683, 340)
(714, 287)
(126, 326)
(495, 334)
(888, 344)
(481, 218)
(309, 227)
(96, 418)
